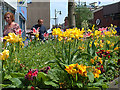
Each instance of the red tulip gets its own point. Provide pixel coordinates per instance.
(32, 88)
(101, 66)
(98, 68)
(36, 31)
(109, 56)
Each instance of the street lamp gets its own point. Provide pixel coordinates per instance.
(56, 15)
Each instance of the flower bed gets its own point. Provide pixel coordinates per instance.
(74, 59)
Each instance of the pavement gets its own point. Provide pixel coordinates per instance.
(115, 84)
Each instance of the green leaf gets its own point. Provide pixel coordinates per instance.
(107, 48)
(61, 65)
(65, 52)
(43, 76)
(51, 61)
(116, 44)
(51, 83)
(52, 73)
(79, 85)
(15, 81)
(93, 48)
(58, 57)
(6, 86)
(7, 76)
(17, 74)
(74, 52)
(88, 47)
(112, 68)
(99, 83)
(90, 76)
(86, 54)
(104, 86)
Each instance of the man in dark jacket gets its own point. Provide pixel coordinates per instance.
(42, 29)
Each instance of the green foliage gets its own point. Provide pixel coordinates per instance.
(57, 55)
(90, 76)
(82, 13)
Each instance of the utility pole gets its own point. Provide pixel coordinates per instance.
(71, 13)
(55, 17)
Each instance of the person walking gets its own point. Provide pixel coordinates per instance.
(42, 29)
(11, 26)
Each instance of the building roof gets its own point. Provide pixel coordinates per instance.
(98, 9)
(111, 8)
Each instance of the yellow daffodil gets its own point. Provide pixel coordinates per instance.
(4, 55)
(96, 73)
(95, 57)
(101, 61)
(117, 48)
(89, 30)
(108, 42)
(92, 61)
(111, 25)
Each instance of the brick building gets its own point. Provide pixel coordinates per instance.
(106, 15)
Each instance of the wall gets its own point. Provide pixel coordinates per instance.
(38, 10)
(108, 19)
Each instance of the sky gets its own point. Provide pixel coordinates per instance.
(62, 5)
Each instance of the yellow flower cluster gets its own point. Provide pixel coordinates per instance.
(75, 68)
(4, 55)
(100, 44)
(68, 34)
(81, 69)
(96, 59)
(97, 43)
(81, 48)
(111, 31)
(37, 35)
(92, 61)
(12, 38)
(117, 48)
(76, 33)
(96, 73)
(97, 33)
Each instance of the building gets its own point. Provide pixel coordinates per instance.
(22, 15)
(106, 15)
(36, 10)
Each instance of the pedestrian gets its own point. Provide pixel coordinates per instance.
(11, 26)
(42, 29)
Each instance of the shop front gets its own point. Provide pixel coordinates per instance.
(22, 19)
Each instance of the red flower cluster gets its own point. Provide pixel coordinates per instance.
(45, 69)
(101, 69)
(32, 88)
(31, 73)
(103, 53)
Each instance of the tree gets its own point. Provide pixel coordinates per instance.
(71, 13)
(82, 14)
